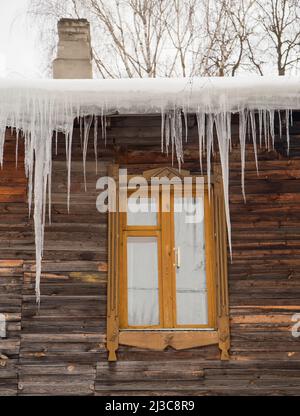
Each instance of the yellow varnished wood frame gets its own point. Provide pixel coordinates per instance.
(167, 334)
(112, 324)
(221, 265)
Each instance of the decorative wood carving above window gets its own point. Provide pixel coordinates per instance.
(167, 280)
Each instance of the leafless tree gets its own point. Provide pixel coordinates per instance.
(136, 30)
(181, 26)
(150, 38)
(227, 29)
(280, 31)
(146, 37)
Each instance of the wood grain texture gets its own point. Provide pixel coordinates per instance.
(159, 341)
(13, 183)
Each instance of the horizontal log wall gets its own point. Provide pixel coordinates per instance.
(13, 183)
(60, 349)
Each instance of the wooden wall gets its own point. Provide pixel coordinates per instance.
(12, 177)
(60, 349)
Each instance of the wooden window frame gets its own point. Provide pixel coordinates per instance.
(164, 231)
(179, 337)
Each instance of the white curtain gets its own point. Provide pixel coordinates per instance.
(191, 293)
(142, 275)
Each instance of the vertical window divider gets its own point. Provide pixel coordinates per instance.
(167, 257)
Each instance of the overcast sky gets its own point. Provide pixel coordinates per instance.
(18, 54)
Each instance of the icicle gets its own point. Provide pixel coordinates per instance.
(287, 131)
(172, 132)
(280, 124)
(175, 132)
(167, 132)
(29, 163)
(102, 124)
(271, 127)
(162, 114)
(266, 129)
(39, 178)
(209, 144)
(243, 116)
(87, 126)
(96, 142)
(81, 131)
(253, 133)
(2, 139)
(201, 135)
(56, 142)
(186, 125)
(50, 191)
(17, 147)
(260, 127)
(178, 137)
(3, 124)
(105, 130)
(67, 147)
(69, 169)
(228, 117)
(223, 142)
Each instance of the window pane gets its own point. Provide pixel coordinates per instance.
(191, 293)
(142, 275)
(142, 211)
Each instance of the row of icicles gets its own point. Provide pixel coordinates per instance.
(258, 126)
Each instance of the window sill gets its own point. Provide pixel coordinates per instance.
(178, 329)
(159, 340)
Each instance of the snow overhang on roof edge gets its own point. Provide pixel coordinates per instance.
(209, 95)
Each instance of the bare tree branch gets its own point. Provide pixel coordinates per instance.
(151, 38)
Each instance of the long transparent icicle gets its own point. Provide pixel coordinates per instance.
(209, 146)
(242, 135)
(162, 132)
(287, 118)
(86, 135)
(253, 134)
(201, 134)
(96, 142)
(224, 145)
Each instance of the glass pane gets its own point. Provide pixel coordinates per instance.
(142, 211)
(191, 293)
(142, 276)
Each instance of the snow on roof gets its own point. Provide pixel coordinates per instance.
(37, 108)
(152, 94)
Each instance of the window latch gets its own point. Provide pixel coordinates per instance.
(177, 257)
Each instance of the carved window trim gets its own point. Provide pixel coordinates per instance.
(177, 338)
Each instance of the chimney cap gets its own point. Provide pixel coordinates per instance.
(66, 20)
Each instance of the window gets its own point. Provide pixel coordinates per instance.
(167, 278)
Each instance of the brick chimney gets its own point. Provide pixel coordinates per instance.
(74, 53)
